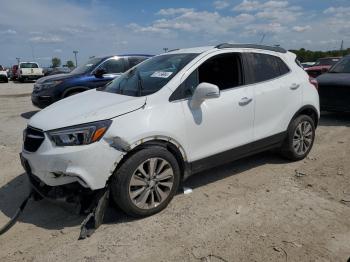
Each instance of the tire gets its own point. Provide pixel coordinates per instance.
(6, 80)
(139, 196)
(300, 138)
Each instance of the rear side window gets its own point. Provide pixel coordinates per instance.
(263, 67)
(29, 65)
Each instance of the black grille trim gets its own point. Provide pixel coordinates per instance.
(33, 139)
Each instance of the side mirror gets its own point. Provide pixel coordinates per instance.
(203, 92)
(99, 73)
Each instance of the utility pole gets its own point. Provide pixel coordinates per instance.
(76, 60)
(342, 45)
(165, 49)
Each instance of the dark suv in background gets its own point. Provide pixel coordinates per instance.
(95, 73)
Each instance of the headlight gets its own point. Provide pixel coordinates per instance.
(79, 135)
(49, 84)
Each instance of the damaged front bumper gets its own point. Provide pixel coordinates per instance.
(93, 203)
(89, 165)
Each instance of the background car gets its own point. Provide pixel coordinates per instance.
(334, 87)
(321, 66)
(3, 75)
(94, 73)
(14, 72)
(29, 71)
(308, 64)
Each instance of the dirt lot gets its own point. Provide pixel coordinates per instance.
(255, 209)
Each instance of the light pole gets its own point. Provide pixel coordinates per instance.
(165, 49)
(18, 60)
(76, 60)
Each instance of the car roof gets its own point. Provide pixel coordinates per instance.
(123, 55)
(203, 49)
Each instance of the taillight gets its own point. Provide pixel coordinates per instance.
(314, 82)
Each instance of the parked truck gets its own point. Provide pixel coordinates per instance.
(29, 71)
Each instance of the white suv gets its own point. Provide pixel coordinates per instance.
(169, 117)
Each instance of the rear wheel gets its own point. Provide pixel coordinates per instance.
(146, 182)
(300, 138)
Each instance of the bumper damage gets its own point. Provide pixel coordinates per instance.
(92, 203)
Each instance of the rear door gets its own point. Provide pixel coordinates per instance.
(277, 94)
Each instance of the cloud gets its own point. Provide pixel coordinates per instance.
(340, 11)
(301, 29)
(221, 4)
(8, 32)
(247, 6)
(211, 23)
(174, 11)
(46, 39)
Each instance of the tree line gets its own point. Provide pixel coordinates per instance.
(56, 62)
(311, 56)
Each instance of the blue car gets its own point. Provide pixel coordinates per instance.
(97, 72)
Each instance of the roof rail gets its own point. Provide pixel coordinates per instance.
(263, 47)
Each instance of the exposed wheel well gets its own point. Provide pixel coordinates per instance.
(172, 148)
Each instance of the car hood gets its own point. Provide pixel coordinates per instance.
(55, 78)
(334, 79)
(83, 108)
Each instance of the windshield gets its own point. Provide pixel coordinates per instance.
(327, 61)
(149, 76)
(84, 68)
(342, 67)
(29, 65)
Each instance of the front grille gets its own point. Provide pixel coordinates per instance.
(33, 139)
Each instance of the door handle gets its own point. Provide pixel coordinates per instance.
(245, 101)
(294, 86)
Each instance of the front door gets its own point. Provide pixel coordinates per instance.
(223, 123)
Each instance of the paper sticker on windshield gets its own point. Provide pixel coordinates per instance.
(161, 74)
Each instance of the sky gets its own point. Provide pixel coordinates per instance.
(41, 29)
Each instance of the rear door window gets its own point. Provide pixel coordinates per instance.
(113, 66)
(264, 67)
(29, 65)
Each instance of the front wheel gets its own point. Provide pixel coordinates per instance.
(146, 182)
(300, 138)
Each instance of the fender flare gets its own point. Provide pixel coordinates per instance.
(307, 108)
(171, 144)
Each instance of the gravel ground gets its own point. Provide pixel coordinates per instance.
(260, 208)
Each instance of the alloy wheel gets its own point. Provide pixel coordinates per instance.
(151, 183)
(303, 137)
